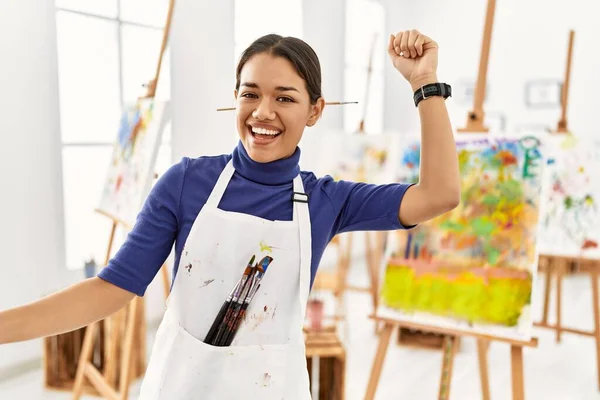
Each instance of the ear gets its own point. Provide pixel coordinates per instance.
(316, 112)
(235, 93)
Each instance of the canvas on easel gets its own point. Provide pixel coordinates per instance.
(472, 268)
(469, 272)
(571, 221)
(132, 164)
(358, 158)
(572, 216)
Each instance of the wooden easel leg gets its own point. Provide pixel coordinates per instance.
(127, 353)
(86, 354)
(345, 255)
(384, 341)
(560, 270)
(450, 347)
(596, 310)
(377, 254)
(141, 332)
(166, 280)
(340, 378)
(482, 349)
(548, 289)
(374, 256)
(370, 258)
(516, 358)
(113, 346)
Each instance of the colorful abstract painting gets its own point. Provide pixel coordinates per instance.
(571, 216)
(472, 268)
(358, 157)
(131, 169)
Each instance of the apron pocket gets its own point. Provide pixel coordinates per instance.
(159, 359)
(196, 370)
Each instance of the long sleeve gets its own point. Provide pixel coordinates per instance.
(150, 241)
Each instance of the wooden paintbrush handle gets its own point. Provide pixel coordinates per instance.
(215, 326)
(236, 325)
(223, 326)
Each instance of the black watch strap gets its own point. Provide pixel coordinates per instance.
(432, 89)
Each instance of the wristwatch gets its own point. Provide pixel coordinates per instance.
(432, 89)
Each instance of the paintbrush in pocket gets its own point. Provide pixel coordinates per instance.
(231, 309)
(261, 269)
(210, 336)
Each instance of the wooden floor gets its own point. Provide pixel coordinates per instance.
(565, 371)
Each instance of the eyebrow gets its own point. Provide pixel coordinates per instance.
(278, 88)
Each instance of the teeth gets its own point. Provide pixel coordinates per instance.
(262, 131)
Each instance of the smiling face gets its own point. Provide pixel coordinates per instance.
(272, 108)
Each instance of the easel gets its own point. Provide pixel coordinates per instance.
(361, 124)
(334, 281)
(564, 98)
(130, 317)
(475, 124)
(559, 265)
(337, 280)
(450, 347)
(476, 117)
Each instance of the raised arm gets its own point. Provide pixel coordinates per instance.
(69, 309)
(438, 189)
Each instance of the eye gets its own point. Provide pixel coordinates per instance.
(285, 99)
(249, 95)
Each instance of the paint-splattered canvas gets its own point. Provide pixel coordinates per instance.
(358, 157)
(472, 268)
(131, 167)
(571, 219)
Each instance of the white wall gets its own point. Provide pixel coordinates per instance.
(203, 78)
(324, 30)
(529, 42)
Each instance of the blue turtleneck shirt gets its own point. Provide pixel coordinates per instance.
(259, 189)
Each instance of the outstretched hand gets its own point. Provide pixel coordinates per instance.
(415, 56)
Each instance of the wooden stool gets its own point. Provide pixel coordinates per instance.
(332, 363)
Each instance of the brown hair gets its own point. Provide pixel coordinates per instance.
(299, 53)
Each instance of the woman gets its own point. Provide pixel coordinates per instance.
(218, 211)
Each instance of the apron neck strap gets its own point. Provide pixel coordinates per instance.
(217, 193)
(301, 215)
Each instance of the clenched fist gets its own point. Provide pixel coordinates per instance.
(415, 56)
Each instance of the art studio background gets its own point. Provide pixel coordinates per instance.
(70, 68)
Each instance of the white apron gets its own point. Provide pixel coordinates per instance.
(267, 357)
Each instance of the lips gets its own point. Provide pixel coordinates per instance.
(266, 138)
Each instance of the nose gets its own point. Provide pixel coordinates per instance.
(264, 110)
